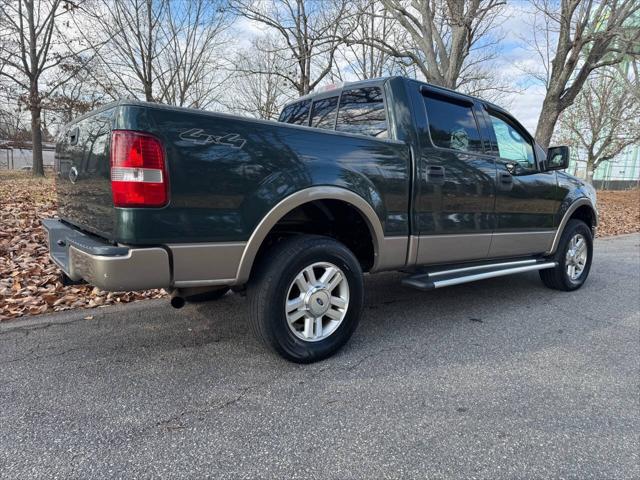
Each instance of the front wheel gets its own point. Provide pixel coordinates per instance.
(306, 297)
(574, 254)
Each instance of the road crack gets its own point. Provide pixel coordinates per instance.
(31, 355)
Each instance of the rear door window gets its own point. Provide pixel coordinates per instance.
(452, 124)
(362, 111)
(323, 113)
(296, 114)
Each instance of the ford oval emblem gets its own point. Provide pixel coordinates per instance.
(73, 174)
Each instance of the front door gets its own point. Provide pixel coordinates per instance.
(455, 179)
(526, 198)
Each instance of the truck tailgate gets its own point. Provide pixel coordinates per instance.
(83, 174)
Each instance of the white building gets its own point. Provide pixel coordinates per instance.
(18, 155)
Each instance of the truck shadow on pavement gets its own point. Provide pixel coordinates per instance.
(502, 315)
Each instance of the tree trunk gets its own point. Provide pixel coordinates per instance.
(547, 122)
(148, 91)
(591, 168)
(37, 168)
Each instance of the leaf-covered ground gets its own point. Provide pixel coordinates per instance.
(30, 282)
(618, 212)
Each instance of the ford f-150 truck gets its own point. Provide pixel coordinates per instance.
(385, 174)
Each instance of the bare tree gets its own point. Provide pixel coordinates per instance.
(14, 125)
(258, 90)
(310, 30)
(126, 41)
(573, 38)
(164, 51)
(359, 57)
(449, 41)
(186, 69)
(32, 48)
(81, 94)
(604, 119)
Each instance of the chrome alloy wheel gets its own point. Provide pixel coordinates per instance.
(576, 258)
(317, 301)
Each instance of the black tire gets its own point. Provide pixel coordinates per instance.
(209, 296)
(557, 278)
(268, 290)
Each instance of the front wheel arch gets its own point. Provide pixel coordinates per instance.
(581, 209)
(557, 278)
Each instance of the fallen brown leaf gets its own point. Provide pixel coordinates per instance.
(29, 280)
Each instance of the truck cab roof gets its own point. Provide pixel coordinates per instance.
(331, 90)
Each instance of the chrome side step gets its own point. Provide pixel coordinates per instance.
(453, 271)
(456, 276)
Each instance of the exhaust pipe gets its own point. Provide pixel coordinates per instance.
(177, 301)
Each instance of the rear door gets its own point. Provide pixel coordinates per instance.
(455, 179)
(526, 198)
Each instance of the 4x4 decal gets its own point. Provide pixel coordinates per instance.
(199, 137)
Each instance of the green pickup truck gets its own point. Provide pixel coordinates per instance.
(385, 174)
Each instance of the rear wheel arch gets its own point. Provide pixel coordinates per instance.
(321, 198)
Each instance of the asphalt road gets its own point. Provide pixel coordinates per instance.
(497, 379)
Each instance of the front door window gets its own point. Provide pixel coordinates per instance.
(512, 145)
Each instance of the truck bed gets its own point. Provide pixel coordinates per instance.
(225, 172)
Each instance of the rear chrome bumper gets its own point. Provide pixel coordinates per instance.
(139, 269)
(108, 267)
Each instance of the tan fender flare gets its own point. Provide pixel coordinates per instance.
(565, 218)
(300, 198)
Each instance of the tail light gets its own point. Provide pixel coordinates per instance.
(138, 170)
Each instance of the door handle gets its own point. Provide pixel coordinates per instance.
(73, 136)
(435, 173)
(505, 181)
(506, 178)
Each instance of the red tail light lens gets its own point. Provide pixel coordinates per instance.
(138, 170)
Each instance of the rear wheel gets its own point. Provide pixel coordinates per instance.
(574, 254)
(306, 297)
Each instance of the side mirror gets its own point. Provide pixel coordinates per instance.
(557, 158)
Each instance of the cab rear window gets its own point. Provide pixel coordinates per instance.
(296, 113)
(362, 111)
(323, 114)
(356, 110)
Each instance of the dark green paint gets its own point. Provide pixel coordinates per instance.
(220, 193)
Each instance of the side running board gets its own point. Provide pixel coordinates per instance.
(456, 276)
